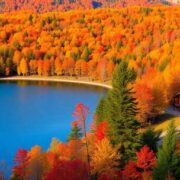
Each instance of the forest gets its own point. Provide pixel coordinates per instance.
(113, 149)
(92, 43)
(64, 5)
(137, 49)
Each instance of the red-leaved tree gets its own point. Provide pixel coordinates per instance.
(101, 131)
(142, 168)
(81, 112)
(21, 161)
(68, 170)
(130, 171)
(146, 159)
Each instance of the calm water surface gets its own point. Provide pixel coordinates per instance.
(32, 113)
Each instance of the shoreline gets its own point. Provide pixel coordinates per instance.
(56, 79)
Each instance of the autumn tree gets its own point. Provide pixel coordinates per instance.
(37, 163)
(72, 169)
(40, 67)
(144, 96)
(81, 112)
(33, 66)
(105, 158)
(130, 171)
(21, 161)
(142, 168)
(24, 67)
(146, 159)
(54, 145)
(58, 67)
(101, 131)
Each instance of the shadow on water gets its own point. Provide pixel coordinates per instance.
(60, 85)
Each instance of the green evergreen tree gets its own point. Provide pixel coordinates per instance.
(151, 138)
(121, 112)
(86, 53)
(75, 134)
(101, 110)
(30, 18)
(168, 162)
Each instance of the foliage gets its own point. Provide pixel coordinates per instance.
(130, 171)
(20, 160)
(101, 131)
(90, 43)
(167, 158)
(48, 5)
(101, 110)
(142, 168)
(64, 170)
(145, 159)
(76, 133)
(54, 145)
(105, 158)
(81, 112)
(151, 138)
(121, 112)
(37, 164)
(95, 44)
(145, 100)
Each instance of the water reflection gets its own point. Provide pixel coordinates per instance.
(60, 85)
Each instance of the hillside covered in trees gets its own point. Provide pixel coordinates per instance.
(114, 149)
(63, 5)
(137, 48)
(91, 43)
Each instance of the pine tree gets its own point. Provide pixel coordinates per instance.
(101, 111)
(76, 133)
(168, 162)
(121, 112)
(151, 138)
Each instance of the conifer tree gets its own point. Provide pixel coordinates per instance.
(101, 111)
(168, 162)
(76, 133)
(121, 112)
(151, 138)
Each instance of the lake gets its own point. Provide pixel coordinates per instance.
(32, 113)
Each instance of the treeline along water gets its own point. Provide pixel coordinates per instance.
(31, 113)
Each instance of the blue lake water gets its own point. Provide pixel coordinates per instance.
(33, 113)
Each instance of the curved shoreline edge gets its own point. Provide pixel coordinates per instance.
(56, 80)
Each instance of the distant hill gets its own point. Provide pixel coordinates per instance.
(52, 5)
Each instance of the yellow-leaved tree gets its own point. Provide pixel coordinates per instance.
(24, 67)
(105, 158)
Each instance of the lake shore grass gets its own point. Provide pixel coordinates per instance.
(66, 79)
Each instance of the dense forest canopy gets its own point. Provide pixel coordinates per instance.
(136, 47)
(52, 5)
(91, 43)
